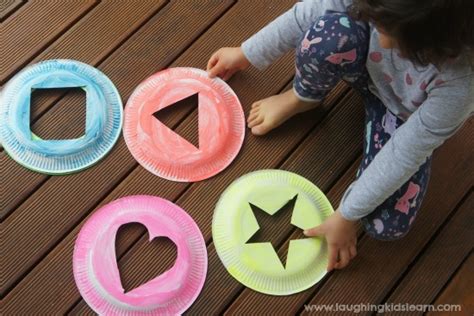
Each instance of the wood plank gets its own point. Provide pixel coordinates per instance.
(29, 233)
(102, 29)
(271, 84)
(438, 263)
(127, 260)
(249, 302)
(254, 299)
(207, 193)
(17, 184)
(16, 193)
(344, 116)
(459, 290)
(105, 29)
(36, 26)
(271, 154)
(249, 149)
(375, 270)
(7, 7)
(151, 182)
(280, 74)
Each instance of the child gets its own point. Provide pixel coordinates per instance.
(412, 63)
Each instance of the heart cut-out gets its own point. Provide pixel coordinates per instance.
(95, 266)
(149, 260)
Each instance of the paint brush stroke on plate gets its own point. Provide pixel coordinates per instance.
(95, 264)
(103, 117)
(163, 151)
(257, 265)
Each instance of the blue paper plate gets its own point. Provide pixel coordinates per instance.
(104, 115)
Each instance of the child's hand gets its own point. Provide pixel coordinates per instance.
(341, 236)
(227, 61)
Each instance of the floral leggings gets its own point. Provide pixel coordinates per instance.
(336, 48)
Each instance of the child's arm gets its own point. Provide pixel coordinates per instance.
(438, 118)
(283, 33)
(273, 40)
(448, 105)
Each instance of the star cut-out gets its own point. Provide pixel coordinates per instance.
(280, 218)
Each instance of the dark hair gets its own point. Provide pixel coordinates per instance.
(426, 31)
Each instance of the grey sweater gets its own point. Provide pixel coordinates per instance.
(433, 102)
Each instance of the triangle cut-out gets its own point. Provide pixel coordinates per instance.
(169, 116)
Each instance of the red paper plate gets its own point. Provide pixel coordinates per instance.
(164, 152)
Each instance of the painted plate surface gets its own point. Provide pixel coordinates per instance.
(257, 265)
(164, 152)
(95, 264)
(103, 117)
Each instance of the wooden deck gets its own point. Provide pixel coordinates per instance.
(130, 40)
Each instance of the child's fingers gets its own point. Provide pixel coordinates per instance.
(214, 65)
(344, 258)
(225, 75)
(353, 251)
(212, 61)
(333, 252)
(315, 231)
(216, 70)
(229, 73)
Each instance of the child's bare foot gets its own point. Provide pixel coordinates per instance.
(271, 112)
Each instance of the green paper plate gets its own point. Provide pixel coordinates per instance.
(256, 265)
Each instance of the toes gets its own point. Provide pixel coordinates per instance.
(260, 129)
(255, 110)
(252, 116)
(256, 105)
(255, 121)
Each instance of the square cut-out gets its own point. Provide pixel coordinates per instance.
(54, 139)
(68, 119)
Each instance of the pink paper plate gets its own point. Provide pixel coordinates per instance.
(95, 264)
(163, 151)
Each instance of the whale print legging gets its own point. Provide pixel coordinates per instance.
(335, 48)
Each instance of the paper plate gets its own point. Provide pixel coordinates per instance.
(256, 265)
(103, 117)
(95, 265)
(165, 153)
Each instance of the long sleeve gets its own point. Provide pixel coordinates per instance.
(438, 118)
(283, 33)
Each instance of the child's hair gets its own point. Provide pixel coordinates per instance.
(426, 31)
